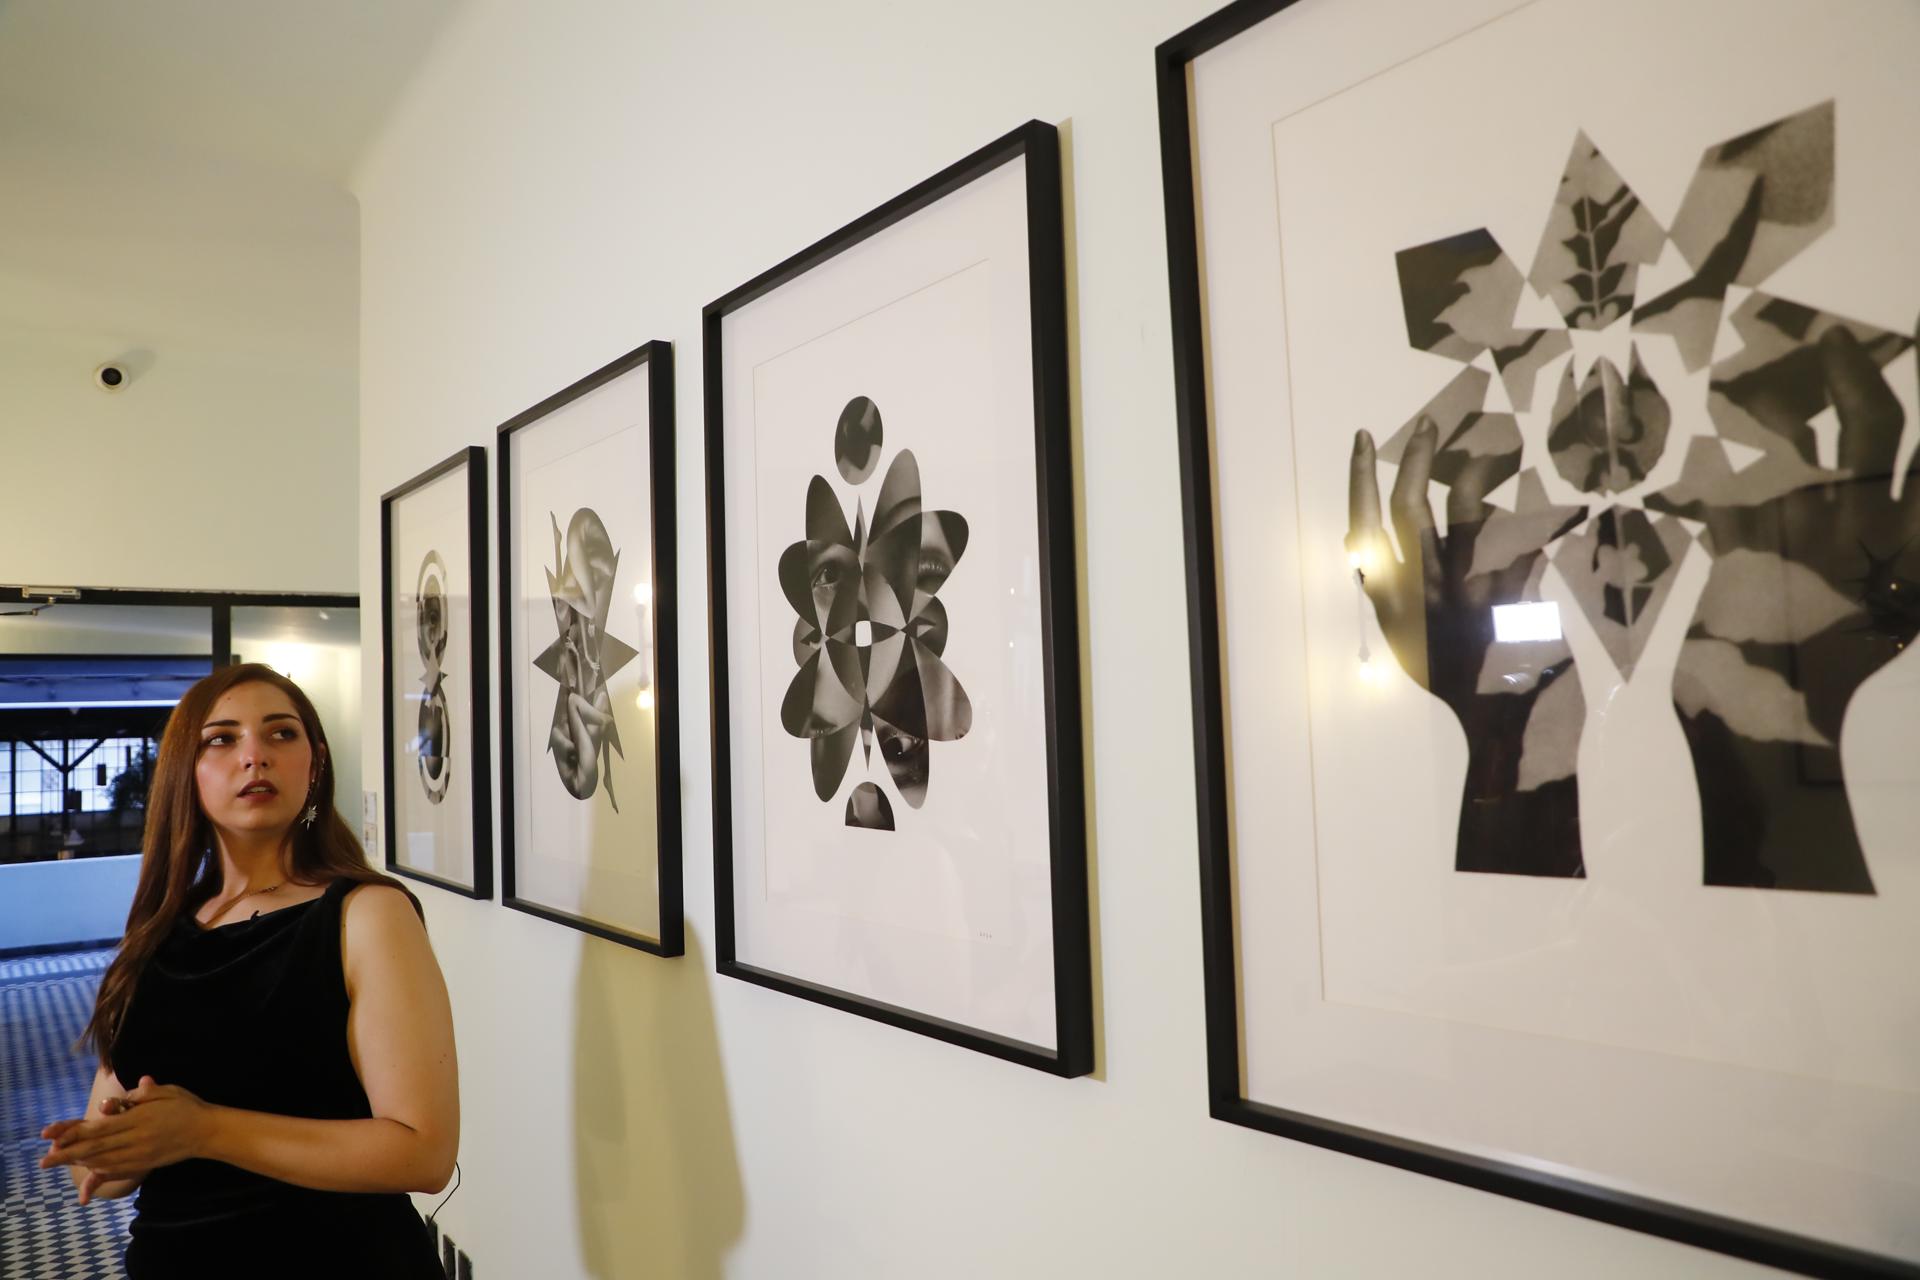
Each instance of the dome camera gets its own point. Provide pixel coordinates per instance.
(110, 377)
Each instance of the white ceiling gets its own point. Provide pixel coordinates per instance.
(296, 85)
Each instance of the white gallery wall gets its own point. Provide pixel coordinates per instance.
(228, 291)
(566, 181)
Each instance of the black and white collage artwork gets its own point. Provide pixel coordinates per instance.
(430, 648)
(1811, 588)
(1585, 677)
(1613, 540)
(871, 626)
(886, 662)
(584, 657)
(432, 744)
(585, 842)
(891, 649)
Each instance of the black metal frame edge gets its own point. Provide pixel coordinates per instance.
(586, 924)
(1751, 1241)
(474, 459)
(955, 1033)
(16, 593)
(657, 355)
(222, 635)
(1059, 597)
(1196, 492)
(1039, 144)
(719, 740)
(661, 431)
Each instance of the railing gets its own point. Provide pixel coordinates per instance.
(49, 837)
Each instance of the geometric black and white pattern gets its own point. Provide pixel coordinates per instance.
(45, 1002)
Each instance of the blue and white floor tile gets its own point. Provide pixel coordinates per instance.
(44, 1233)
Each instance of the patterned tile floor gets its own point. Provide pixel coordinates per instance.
(44, 1233)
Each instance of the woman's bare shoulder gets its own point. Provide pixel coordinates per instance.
(378, 926)
(381, 906)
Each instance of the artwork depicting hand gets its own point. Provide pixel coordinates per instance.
(871, 628)
(1815, 580)
(1519, 702)
(430, 744)
(583, 657)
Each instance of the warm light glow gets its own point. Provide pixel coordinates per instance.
(294, 661)
(642, 592)
(1372, 673)
(644, 699)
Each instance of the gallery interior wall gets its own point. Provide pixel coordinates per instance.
(564, 182)
(229, 293)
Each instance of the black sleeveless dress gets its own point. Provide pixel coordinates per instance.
(253, 1015)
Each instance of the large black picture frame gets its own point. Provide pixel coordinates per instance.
(1227, 1094)
(1038, 144)
(473, 459)
(656, 357)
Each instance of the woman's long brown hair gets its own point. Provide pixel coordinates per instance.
(178, 867)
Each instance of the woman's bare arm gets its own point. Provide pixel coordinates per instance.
(400, 1038)
(102, 1100)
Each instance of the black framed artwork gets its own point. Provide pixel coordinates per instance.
(433, 644)
(898, 814)
(1546, 388)
(590, 772)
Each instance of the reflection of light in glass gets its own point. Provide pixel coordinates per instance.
(1533, 620)
(290, 660)
(1372, 673)
(643, 616)
(644, 699)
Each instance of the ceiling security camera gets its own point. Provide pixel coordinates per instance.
(110, 377)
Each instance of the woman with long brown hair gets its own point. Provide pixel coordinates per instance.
(275, 1042)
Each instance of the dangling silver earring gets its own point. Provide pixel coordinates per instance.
(313, 810)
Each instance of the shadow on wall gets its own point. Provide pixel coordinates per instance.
(659, 1190)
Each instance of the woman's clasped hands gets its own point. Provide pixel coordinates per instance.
(150, 1126)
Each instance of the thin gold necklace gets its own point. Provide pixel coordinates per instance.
(242, 898)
